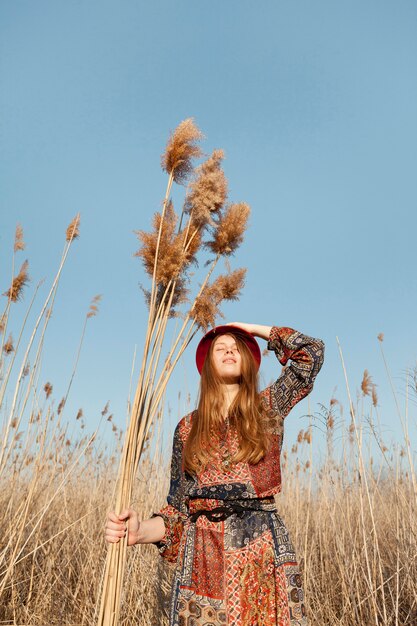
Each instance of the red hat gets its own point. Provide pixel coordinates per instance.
(205, 343)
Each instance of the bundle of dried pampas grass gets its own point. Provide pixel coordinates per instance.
(167, 253)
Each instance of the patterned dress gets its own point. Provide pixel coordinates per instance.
(241, 571)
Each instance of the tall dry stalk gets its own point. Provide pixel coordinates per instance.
(167, 253)
(54, 579)
(24, 454)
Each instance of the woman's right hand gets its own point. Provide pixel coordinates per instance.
(116, 526)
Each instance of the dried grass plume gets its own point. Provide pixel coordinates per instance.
(208, 191)
(19, 244)
(181, 149)
(176, 250)
(93, 310)
(207, 305)
(230, 229)
(366, 384)
(16, 290)
(8, 346)
(73, 230)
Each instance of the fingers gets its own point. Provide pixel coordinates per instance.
(115, 529)
(243, 325)
(114, 532)
(114, 536)
(116, 525)
(127, 513)
(123, 516)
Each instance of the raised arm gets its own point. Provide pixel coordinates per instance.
(306, 356)
(296, 380)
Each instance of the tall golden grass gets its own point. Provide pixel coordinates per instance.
(352, 515)
(355, 533)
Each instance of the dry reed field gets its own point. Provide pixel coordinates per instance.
(352, 515)
(355, 534)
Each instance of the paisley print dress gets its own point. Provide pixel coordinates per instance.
(242, 570)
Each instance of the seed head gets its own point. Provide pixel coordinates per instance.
(8, 346)
(374, 396)
(19, 244)
(206, 307)
(228, 234)
(208, 191)
(181, 149)
(47, 389)
(79, 414)
(93, 310)
(230, 285)
(60, 406)
(73, 230)
(380, 337)
(18, 282)
(366, 384)
(176, 250)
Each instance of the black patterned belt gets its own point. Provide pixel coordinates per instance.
(220, 513)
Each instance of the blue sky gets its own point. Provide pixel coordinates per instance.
(315, 106)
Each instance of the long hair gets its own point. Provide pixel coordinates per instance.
(245, 415)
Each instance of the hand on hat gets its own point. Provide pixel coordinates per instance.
(243, 326)
(258, 330)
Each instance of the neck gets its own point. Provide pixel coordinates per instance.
(230, 391)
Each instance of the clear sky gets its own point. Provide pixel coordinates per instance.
(315, 105)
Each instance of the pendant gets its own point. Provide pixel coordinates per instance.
(226, 461)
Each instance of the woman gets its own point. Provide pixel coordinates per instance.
(235, 564)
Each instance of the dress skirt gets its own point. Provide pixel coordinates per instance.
(238, 572)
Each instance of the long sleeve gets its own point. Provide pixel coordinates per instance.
(296, 380)
(174, 513)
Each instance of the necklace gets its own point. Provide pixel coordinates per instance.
(226, 454)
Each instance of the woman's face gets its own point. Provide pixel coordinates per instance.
(226, 358)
